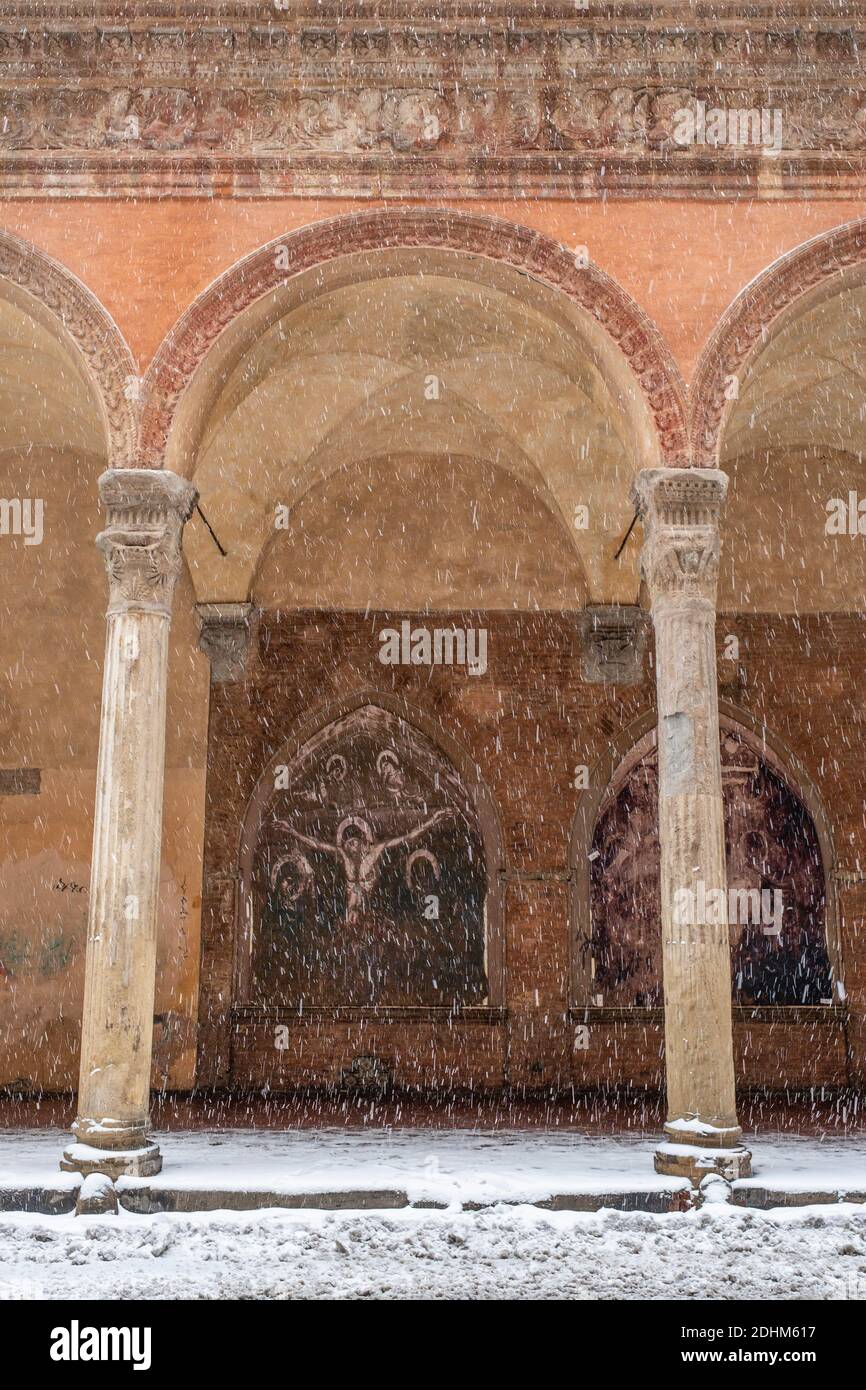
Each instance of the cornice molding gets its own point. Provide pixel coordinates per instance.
(461, 100)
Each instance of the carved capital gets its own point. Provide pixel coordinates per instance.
(613, 639)
(224, 637)
(680, 509)
(147, 510)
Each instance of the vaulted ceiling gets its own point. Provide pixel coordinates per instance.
(459, 411)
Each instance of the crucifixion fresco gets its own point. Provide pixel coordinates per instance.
(360, 855)
(369, 882)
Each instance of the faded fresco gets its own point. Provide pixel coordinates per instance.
(772, 846)
(43, 938)
(368, 879)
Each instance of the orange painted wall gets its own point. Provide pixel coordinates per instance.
(682, 261)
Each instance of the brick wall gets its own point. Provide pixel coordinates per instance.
(527, 723)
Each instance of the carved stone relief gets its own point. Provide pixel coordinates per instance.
(522, 97)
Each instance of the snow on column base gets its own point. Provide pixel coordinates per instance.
(698, 1133)
(696, 1161)
(115, 1163)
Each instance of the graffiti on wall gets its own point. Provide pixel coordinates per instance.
(44, 900)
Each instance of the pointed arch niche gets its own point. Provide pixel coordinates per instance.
(777, 840)
(369, 875)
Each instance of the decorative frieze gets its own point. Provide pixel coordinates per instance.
(543, 98)
(356, 117)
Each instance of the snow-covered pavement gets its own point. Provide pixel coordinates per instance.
(501, 1252)
(437, 1165)
(509, 1249)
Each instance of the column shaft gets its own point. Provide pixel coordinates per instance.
(147, 510)
(696, 954)
(680, 563)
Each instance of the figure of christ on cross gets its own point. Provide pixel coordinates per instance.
(360, 855)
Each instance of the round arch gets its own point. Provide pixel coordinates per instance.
(48, 290)
(267, 270)
(791, 284)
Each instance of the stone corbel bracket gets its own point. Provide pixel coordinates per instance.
(225, 631)
(613, 641)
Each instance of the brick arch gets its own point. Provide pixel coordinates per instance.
(529, 252)
(83, 321)
(747, 325)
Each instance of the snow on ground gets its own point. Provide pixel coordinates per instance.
(440, 1165)
(514, 1251)
(502, 1252)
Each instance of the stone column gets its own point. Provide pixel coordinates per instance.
(147, 510)
(680, 509)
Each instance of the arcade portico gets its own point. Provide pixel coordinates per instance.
(352, 383)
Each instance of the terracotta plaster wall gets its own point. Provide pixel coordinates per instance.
(50, 691)
(682, 261)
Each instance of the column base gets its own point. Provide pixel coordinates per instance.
(697, 1161)
(115, 1163)
(696, 1134)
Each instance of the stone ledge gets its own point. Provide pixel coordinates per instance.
(145, 1198)
(468, 1013)
(40, 1200)
(766, 1198)
(772, 1014)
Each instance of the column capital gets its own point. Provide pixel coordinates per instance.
(681, 509)
(224, 637)
(147, 509)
